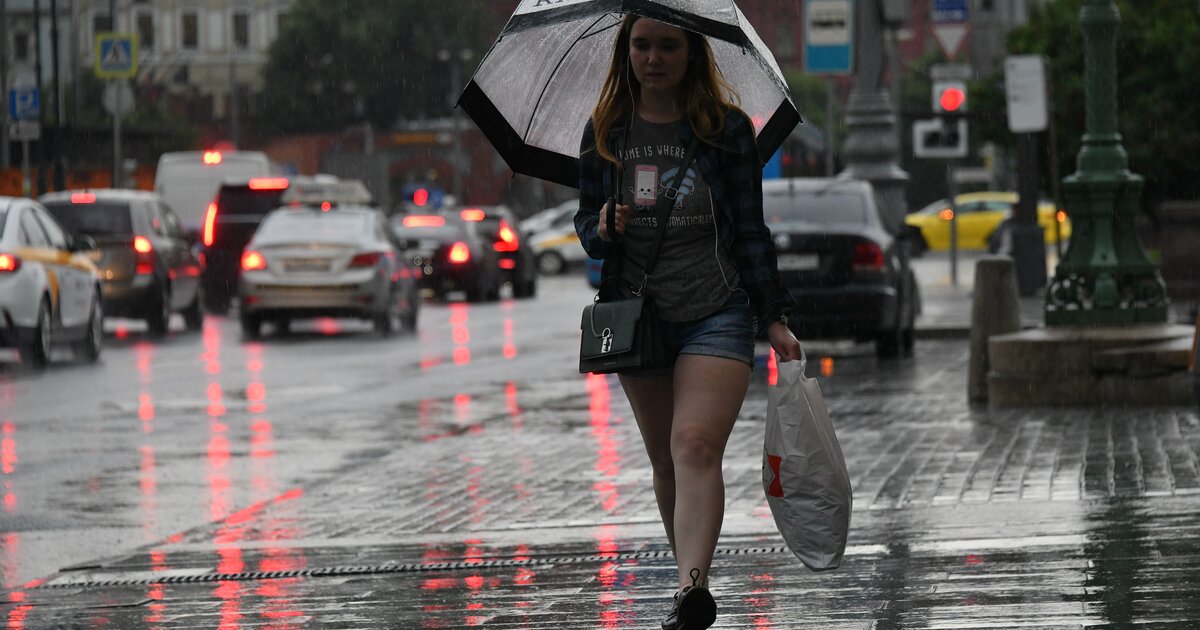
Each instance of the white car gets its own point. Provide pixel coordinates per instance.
(557, 249)
(551, 218)
(49, 289)
(328, 260)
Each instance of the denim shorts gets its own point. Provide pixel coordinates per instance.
(727, 332)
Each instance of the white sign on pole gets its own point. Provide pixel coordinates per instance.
(1025, 86)
(24, 130)
(828, 37)
(950, 19)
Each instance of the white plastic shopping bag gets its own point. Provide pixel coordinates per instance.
(804, 473)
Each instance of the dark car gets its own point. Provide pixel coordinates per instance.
(516, 260)
(147, 267)
(849, 276)
(228, 225)
(451, 254)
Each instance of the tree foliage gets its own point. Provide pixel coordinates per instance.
(335, 63)
(1158, 97)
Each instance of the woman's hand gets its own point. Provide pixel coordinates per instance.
(785, 344)
(622, 212)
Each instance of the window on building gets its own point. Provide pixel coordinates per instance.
(241, 31)
(191, 31)
(21, 46)
(145, 31)
(101, 24)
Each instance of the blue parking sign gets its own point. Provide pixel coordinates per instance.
(24, 103)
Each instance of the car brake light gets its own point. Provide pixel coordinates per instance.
(422, 220)
(1061, 216)
(460, 253)
(867, 257)
(368, 259)
(9, 263)
(946, 214)
(508, 238)
(253, 261)
(268, 183)
(212, 158)
(143, 256)
(210, 224)
(83, 198)
(472, 214)
(508, 263)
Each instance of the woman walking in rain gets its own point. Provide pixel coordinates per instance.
(715, 281)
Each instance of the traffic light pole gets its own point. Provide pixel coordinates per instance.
(952, 193)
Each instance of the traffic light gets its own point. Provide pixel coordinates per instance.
(949, 97)
(940, 138)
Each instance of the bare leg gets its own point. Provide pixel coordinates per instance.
(651, 399)
(708, 396)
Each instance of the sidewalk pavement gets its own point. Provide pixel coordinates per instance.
(946, 298)
(532, 508)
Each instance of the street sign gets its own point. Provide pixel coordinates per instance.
(24, 130)
(937, 138)
(1025, 86)
(828, 37)
(950, 20)
(116, 55)
(24, 103)
(118, 99)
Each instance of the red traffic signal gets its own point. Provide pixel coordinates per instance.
(951, 99)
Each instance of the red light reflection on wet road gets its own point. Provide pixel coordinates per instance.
(460, 333)
(613, 607)
(760, 600)
(8, 463)
(510, 348)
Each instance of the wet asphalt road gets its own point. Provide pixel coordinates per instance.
(467, 476)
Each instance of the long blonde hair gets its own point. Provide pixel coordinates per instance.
(707, 96)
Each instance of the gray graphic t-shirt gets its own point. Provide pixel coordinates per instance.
(694, 273)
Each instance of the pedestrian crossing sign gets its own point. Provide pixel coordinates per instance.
(116, 55)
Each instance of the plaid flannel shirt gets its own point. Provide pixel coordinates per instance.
(733, 173)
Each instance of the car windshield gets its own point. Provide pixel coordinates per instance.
(298, 225)
(93, 219)
(783, 206)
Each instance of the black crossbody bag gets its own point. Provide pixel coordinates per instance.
(622, 333)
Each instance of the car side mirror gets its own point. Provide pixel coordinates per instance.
(82, 243)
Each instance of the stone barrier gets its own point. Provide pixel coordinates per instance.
(995, 310)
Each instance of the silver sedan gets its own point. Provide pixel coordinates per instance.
(326, 261)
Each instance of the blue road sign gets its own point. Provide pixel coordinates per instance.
(24, 103)
(116, 56)
(828, 36)
(949, 11)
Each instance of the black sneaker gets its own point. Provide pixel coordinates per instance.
(697, 609)
(672, 620)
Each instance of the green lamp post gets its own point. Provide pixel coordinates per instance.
(1105, 278)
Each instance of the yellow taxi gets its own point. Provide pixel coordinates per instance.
(980, 214)
(49, 288)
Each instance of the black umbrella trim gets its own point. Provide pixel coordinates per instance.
(520, 157)
(777, 129)
(648, 8)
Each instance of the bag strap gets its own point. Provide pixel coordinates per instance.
(662, 212)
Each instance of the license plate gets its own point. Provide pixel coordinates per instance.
(799, 262)
(306, 264)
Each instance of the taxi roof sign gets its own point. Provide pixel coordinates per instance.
(318, 190)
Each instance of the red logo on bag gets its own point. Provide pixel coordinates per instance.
(776, 488)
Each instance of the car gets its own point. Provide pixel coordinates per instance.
(328, 260)
(849, 276)
(240, 206)
(554, 217)
(188, 180)
(149, 270)
(558, 249)
(594, 270)
(450, 255)
(980, 216)
(50, 291)
(516, 259)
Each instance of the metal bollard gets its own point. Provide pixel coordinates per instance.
(995, 310)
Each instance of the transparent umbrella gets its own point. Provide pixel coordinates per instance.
(535, 89)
